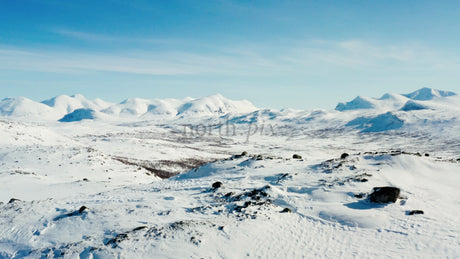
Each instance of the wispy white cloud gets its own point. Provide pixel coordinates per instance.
(101, 38)
(297, 58)
(362, 54)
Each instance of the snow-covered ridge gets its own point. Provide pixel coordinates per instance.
(388, 102)
(423, 108)
(58, 107)
(67, 104)
(426, 94)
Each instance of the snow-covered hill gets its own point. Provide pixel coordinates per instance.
(134, 108)
(216, 178)
(24, 108)
(64, 104)
(390, 102)
(426, 94)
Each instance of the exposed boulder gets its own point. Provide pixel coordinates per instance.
(242, 155)
(359, 195)
(385, 194)
(79, 212)
(82, 208)
(12, 200)
(286, 210)
(258, 157)
(295, 156)
(415, 212)
(344, 155)
(217, 185)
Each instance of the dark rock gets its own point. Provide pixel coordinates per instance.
(427, 154)
(139, 228)
(414, 212)
(13, 200)
(117, 239)
(344, 155)
(217, 185)
(363, 180)
(286, 210)
(240, 156)
(295, 156)
(283, 177)
(384, 194)
(85, 180)
(259, 157)
(360, 195)
(78, 212)
(228, 194)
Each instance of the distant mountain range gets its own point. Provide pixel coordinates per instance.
(68, 108)
(395, 101)
(425, 107)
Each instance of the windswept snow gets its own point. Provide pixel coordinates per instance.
(135, 179)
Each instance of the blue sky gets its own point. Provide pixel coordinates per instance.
(298, 54)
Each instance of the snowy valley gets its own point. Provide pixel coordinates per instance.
(216, 178)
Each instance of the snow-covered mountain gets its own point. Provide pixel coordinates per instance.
(390, 102)
(134, 108)
(21, 107)
(422, 108)
(64, 104)
(367, 114)
(426, 94)
(414, 111)
(214, 105)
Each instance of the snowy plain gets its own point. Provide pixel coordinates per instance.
(86, 178)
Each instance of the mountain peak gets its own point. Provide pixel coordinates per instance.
(215, 104)
(24, 107)
(390, 101)
(359, 102)
(425, 94)
(65, 104)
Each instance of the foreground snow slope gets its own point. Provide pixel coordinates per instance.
(183, 216)
(137, 181)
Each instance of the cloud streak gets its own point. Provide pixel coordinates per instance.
(244, 60)
(100, 38)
